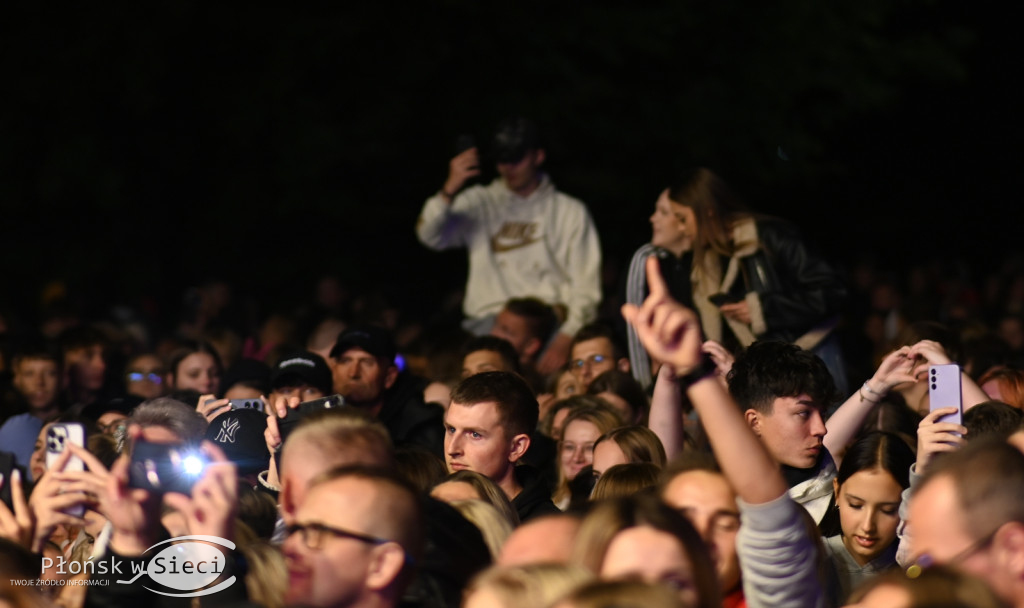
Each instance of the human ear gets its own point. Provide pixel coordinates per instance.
(385, 565)
(623, 365)
(390, 376)
(754, 420)
(520, 443)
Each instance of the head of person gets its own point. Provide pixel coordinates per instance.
(354, 540)
(545, 539)
(640, 537)
(327, 439)
(36, 375)
(937, 586)
(489, 354)
(144, 376)
(968, 514)
(695, 487)
(245, 379)
(783, 390)
(493, 525)
(527, 323)
(583, 426)
(166, 420)
(992, 419)
(621, 389)
(595, 349)
(625, 480)
(524, 585)
(519, 154)
(363, 364)
(696, 213)
(488, 425)
(85, 361)
(868, 489)
(622, 594)
(1004, 384)
(195, 366)
(627, 444)
(554, 420)
(470, 485)
(300, 374)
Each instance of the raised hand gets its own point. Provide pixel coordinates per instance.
(668, 330)
(211, 407)
(935, 437)
(17, 526)
(212, 508)
(461, 168)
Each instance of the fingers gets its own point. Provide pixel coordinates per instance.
(272, 435)
(87, 457)
(655, 282)
(62, 461)
(936, 414)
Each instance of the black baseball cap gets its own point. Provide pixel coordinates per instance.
(375, 340)
(305, 367)
(513, 138)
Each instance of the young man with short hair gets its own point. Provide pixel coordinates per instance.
(595, 350)
(527, 323)
(487, 430)
(37, 373)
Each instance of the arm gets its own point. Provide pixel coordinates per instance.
(803, 288)
(843, 425)
(441, 225)
(671, 333)
(666, 415)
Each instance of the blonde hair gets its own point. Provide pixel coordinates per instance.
(638, 444)
(621, 594)
(529, 584)
(601, 415)
(267, 579)
(492, 524)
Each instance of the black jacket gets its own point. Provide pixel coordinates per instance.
(535, 499)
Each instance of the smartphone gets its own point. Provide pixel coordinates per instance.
(6, 468)
(248, 404)
(164, 467)
(295, 415)
(944, 391)
(464, 142)
(721, 299)
(58, 436)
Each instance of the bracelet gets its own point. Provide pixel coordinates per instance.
(704, 369)
(864, 398)
(871, 390)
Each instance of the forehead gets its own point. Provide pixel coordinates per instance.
(481, 357)
(356, 353)
(509, 321)
(937, 518)
(480, 415)
(643, 549)
(699, 489)
(785, 404)
(593, 346)
(581, 430)
(343, 502)
(36, 364)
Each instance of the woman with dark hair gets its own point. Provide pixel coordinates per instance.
(196, 366)
(749, 277)
(860, 528)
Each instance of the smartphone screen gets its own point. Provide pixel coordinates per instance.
(162, 468)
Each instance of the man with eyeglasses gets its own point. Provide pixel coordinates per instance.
(354, 541)
(968, 513)
(595, 350)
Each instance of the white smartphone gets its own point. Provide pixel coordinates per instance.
(58, 436)
(944, 391)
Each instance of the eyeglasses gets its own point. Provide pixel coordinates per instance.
(925, 561)
(591, 360)
(139, 377)
(313, 535)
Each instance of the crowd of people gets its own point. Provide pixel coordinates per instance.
(752, 428)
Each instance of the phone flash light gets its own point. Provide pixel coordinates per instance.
(193, 465)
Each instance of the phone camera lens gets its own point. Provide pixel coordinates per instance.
(935, 386)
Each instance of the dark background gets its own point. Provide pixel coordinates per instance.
(147, 148)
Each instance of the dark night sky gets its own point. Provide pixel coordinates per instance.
(145, 149)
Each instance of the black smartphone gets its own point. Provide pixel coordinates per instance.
(6, 468)
(163, 467)
(464, 142)
(721, 299)
(295, 415)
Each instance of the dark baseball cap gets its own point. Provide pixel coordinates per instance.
(375, 340)
(239, 433)
(513, 138)
(305, 367)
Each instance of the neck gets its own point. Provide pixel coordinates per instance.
(529, 188)
(47, 412)
(509, 484)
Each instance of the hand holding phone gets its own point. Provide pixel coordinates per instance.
(58, 436)
(162, 468)
(944, 391)
(721, 299)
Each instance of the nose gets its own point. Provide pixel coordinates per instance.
(454, 447)
(818, 428)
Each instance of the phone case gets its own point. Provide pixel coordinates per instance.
(944, 390)
(58, 436)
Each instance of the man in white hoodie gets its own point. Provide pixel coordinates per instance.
(524, 237)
